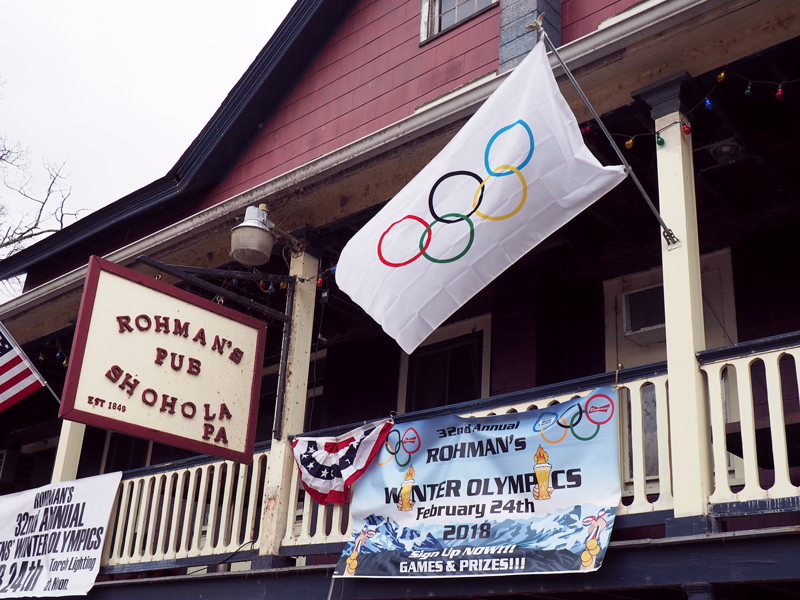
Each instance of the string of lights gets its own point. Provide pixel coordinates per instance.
(706, 103)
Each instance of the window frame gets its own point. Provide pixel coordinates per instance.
(482, 323)
(429, 23)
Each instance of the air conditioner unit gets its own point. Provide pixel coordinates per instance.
(645, 322)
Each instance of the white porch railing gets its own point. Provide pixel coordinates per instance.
(750, 409)
(645, 469)
(207, 509)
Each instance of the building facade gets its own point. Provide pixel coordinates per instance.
(343, 106)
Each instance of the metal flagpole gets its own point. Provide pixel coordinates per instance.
(672, 241)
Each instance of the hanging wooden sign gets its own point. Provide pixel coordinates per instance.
(156, 362)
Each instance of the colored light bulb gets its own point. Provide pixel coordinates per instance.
(235, 282)
(686, 129)
(41, 356)
(708, 104)
(779, 93)
(659, 140)
(271, 287)
(319, 282)
(586, 129)
(58, 354)
(66, 362)
(262, 284)
(721, 77)
(629, 144)
(284, 285)
(333, 269)
(749, 90)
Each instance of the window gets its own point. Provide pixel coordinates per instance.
(451, 366)
(438, 15)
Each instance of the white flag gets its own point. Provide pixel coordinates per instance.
(514, 174)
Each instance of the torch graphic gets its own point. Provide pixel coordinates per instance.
(542, 470)
(405, 502)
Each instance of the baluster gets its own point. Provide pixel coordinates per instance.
(640, 503)
(783, 486)
(241, 485)
(722, 488)
(186, 537)
(665, 500)
(228, 502)
(200, 510)
(752, 488)
(113, 527)
(172, 545)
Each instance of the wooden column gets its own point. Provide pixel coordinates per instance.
(683, 300)
(69, 451)
(277, 514)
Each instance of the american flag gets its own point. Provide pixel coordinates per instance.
(18, 377)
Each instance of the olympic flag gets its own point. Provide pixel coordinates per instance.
(514, 174)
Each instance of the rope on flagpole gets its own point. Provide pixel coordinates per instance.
(672, 241)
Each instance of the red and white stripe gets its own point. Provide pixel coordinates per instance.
(18, 378)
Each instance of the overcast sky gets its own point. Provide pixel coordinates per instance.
(119, 90)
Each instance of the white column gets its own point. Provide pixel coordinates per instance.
(69, 451)
(683, 304)
(280, 463)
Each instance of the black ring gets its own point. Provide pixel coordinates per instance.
(580, 416)
(441, 179)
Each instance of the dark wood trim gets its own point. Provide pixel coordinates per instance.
(775, 342)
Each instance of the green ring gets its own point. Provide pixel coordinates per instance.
(399, 464)
(457, 256)
(572, 429)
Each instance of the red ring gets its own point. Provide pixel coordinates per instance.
(410, 260)
(403, 441)
(586, 409)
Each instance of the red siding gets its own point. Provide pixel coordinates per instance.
(579, 17)
(371, 74)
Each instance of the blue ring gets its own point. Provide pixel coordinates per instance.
(495, 136)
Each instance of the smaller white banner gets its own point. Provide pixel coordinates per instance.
(51, 538)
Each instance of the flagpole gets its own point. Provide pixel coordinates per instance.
(47, 385)
(672, 241)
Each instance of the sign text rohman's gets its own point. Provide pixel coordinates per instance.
(157, 362)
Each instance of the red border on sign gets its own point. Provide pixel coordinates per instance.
(68, 411)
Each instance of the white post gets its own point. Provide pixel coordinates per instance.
(68, 454)
(683, 302)
(277, 513)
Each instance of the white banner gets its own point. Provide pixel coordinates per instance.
(51, 538)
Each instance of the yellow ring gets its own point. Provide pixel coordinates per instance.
(513, 212)
(561, 439)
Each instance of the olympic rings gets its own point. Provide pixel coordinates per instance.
(402, 440)
(457, 256)
(476, 202)
(589, 411)
(409, 261)
(440, 180)
(544, 421)
(498, 134)
(513, 212)
(573, 421)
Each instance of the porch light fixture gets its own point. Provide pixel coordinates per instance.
(252, 240)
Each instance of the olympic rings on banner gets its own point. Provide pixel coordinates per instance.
(410, 260)
(576, 418)
(603, 409)
(497, 135)
(447, 176)
(476, 202)
(513, 212)
(457, 256)
(402, 441)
